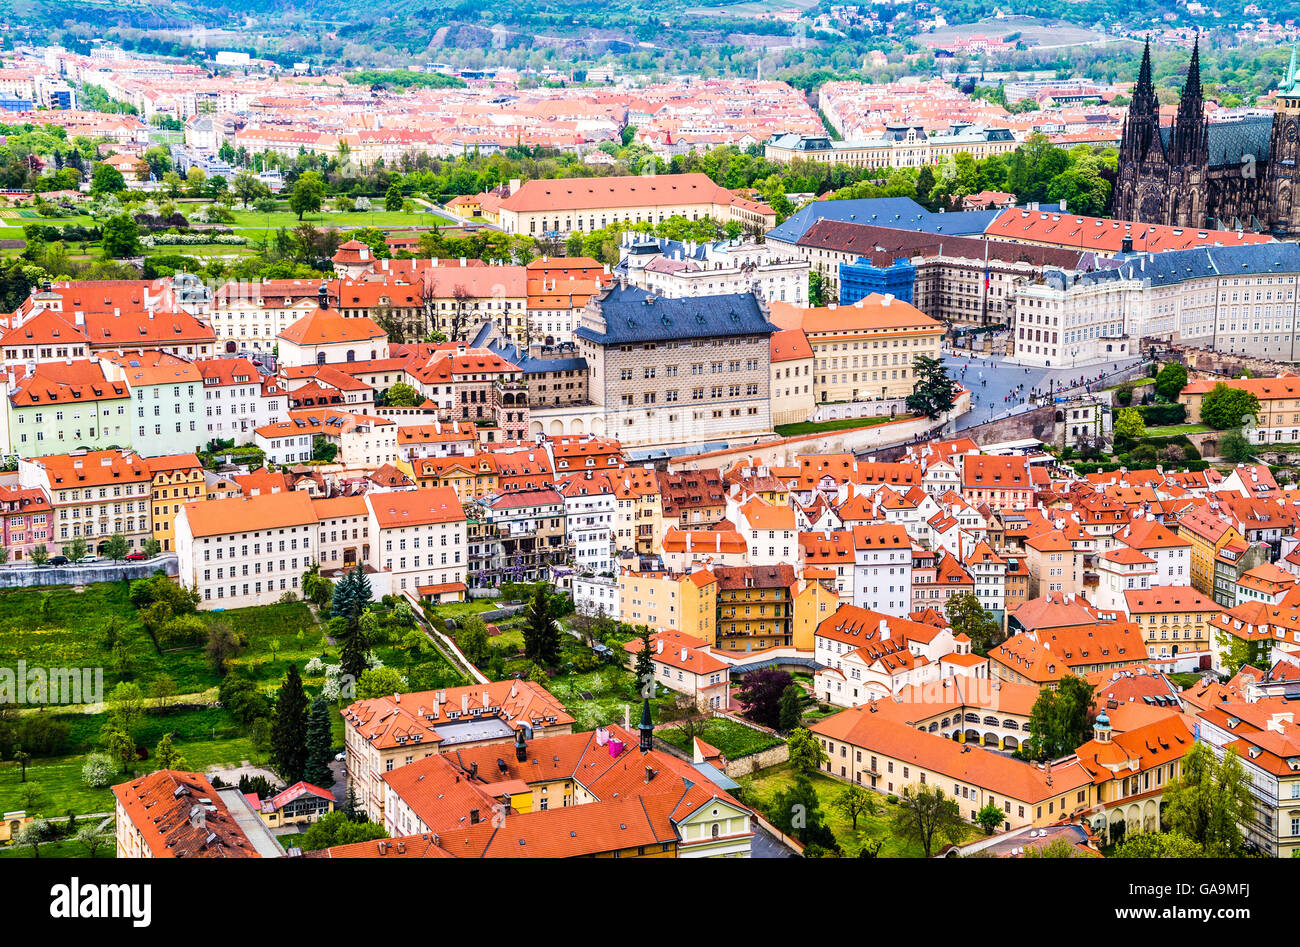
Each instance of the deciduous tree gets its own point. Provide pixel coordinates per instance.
(1225, 407)
(925, 813)
(1060, 720)
(1209, 800)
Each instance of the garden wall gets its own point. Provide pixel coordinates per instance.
(773, 756)
(753, 762)
(1038, 423)
(13, 577)
(862, 440)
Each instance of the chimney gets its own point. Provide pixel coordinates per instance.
(464, 703)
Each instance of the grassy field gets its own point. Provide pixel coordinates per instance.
(205, 249)
(840, 424)
(733, 739)
(63, 630)
(1173, 430)
(60, 627)
(458, 610)
(760, 790)
(1135, 382)
(255, 220)
(65, 848)
(611, 691)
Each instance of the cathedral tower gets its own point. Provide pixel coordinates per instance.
(1189, 151)
(1284, 153)
(1142, 184)
(1187, 142)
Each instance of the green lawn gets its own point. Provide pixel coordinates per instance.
(59, 627)
(58, 779)
(733, 739)
(255, 220)
(65, 848)
(1135, 382)
(511, 639)
(760, 790)
(205, 249)
(458, 610)
(841, 424)
(65, 632)
(1174, 430)
(611, 691)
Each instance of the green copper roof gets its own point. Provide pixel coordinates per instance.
(1288, 86)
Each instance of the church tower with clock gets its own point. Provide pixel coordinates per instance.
(1284, 152)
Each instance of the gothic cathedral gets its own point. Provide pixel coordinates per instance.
(1234, 175)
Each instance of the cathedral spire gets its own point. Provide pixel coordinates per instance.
(1188, 136)
(1142, 127)
(1144, 84)
(1191, 97)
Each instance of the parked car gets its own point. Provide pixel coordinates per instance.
(340, 757)
(135, 556)
(58, 560)
(87, 559)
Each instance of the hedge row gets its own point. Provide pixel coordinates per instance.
(1159, 415)
(1193, 466)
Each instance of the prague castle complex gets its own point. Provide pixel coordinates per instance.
(1232, 175)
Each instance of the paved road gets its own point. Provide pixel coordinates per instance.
(994, 384)
(766, 845)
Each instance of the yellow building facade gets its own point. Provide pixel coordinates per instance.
(665, 601)
(171, 488)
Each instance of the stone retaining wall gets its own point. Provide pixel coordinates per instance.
(12, 577)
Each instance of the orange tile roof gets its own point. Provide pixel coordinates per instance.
(93, 468)
(420, 507)
(561, 194)
(788, 345)
(1168, 598)
(387, 723)
(160, 805)
(248, 514)
(59, 383)
(327, 327)
(872, 312)
(1000, 775)
(1107, 236)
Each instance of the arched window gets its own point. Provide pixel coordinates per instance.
(715, 830)
(352, 356)
(320, 358)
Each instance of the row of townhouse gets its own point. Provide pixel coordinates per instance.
(251, 550)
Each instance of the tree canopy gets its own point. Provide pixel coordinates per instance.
(1060, 720)
(1224, 407)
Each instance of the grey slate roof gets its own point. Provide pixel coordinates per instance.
(899, 212)
(1231, 142)
(531, 365)
(1175, 266)
(633, 315)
